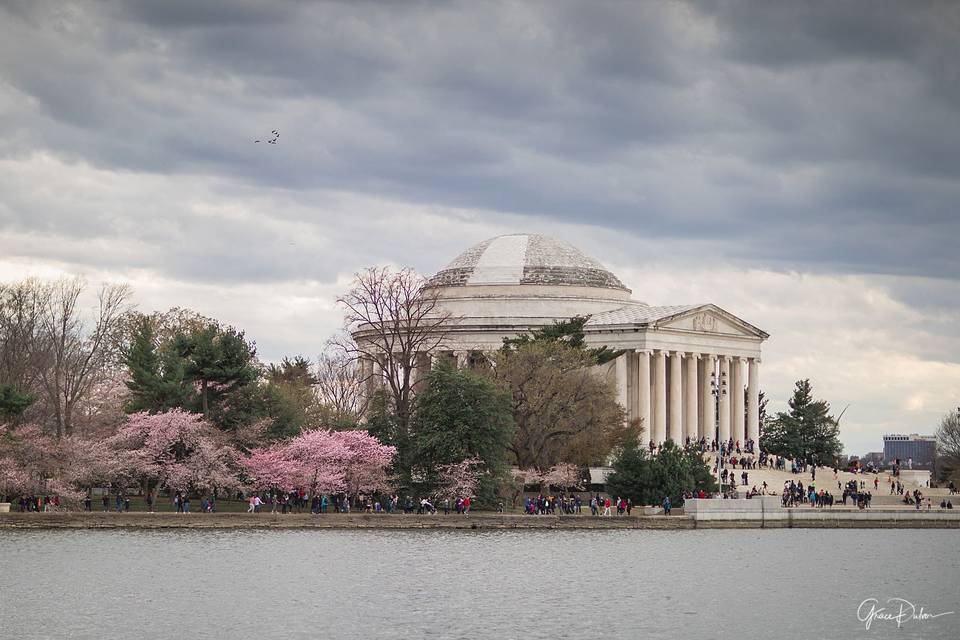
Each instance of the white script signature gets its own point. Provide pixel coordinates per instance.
(897, 610)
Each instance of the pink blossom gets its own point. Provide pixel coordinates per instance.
(176, 450)
(460, 479)
(322, 461)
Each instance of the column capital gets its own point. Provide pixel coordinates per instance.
(676, 353)
(693, 355)
(646, 351)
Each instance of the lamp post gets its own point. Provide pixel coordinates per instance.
(718, 389)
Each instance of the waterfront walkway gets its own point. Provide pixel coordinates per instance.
(799, 517)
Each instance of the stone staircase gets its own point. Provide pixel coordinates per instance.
(825, 479)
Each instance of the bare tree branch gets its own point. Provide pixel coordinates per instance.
(339, 385)
(394, 321)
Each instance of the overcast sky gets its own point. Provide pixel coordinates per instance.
(797, 164)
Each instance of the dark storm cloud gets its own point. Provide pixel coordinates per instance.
(797, 135)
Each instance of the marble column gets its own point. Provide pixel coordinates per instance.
(708, 428)
(659, 397)
(753, 403)
(366, 376)
(620, 370)
(461, 357)
(724, 402)
(737, 418)
(690, 396)
(631, 406)
(676, 398)
(643, 393)
(418, 374)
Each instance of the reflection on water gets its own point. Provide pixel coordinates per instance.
(461, 584)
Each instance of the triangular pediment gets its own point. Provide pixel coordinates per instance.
(709, 318)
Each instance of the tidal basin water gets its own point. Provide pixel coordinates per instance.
(461, 584)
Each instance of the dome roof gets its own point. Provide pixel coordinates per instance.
(526, 258)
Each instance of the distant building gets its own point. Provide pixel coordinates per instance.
(874, 457)
(914, 448)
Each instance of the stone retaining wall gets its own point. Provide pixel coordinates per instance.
(109, 520)
(728, 517)
(767, 513)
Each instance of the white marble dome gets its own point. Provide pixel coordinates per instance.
(526, 259)
(514, 283)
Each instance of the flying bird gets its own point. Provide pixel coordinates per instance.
(273, 140)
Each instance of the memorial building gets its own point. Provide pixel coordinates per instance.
(513, 284)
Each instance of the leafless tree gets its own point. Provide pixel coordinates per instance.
(340, 386)
(393, 321)
(21, 307)
(74, 359)
(948, 444)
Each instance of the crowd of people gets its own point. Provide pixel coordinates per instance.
(300, 502)
(733, 462)
(563, 504)
(30, 503)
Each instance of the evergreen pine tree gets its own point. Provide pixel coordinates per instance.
(807, 432)
(648, 479)
(143, 365)
(12, 402)
(460, 415)
(156, 375)
(567, 331)
(220, 360)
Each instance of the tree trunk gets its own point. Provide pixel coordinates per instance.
(68, 418)
(58, 417)
(203, 393)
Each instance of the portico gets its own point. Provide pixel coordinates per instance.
(670, 355)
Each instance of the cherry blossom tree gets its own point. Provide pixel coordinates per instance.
(94, 463)
(13, 478)
(29, 458)
(269, 468)
(460, 479)
(32, 462)
(176, 450)
(322, 461)
(563, 476)
(100, 412)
